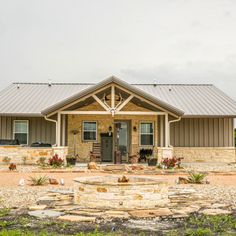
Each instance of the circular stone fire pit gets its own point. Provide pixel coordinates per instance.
(107, 193)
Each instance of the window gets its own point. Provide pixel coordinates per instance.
(146, 133)
(89, 131)
(20, 131)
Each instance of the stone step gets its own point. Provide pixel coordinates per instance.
(77, 218)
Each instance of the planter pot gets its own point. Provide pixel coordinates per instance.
(133, 159)
(152, 162)
(71, 161)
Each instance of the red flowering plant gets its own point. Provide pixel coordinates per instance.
(55, 161)
(170, 163)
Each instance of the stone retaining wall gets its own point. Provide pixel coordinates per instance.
(29, 155)
(113, 195)
(205, 154)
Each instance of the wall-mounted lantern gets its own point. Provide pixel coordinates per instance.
(110, 130)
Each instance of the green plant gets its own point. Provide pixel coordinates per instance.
(4, 211)
(196, 178)
(56, 161)
(24, 159)
(42, 161)
(218, 223)
(198, 232)
(6, 160)
(38, 180)
(17, 232)
(170, 163)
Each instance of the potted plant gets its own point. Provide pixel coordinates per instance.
(152, 161)
(71, 160)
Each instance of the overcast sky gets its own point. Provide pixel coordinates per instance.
(171, 41)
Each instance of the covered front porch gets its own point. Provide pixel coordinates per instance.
(114, 122)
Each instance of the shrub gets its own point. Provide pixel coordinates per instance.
(42, 161)
(171, 162)
(38, 180)
(4, 211)
(24, 159)
(56, 161)
(6, 159)
(196, 178)
(199, 232)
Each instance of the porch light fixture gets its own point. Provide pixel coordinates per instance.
(110, 130)
(74, 132)
(134, 128)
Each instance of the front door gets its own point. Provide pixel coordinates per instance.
(122, 139)
(106, 147)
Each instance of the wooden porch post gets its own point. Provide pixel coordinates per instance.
(58, 129)
(166, 131)
(63, 139)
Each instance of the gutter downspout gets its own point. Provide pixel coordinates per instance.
(172, 121)
(48, 119)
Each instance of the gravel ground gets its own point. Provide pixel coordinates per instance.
(219, 193)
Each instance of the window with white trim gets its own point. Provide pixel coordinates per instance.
(146, 134)
(89, 131)
(21, 130)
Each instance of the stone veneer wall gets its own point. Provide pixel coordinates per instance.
(83, 148)
(32, 154)
(164, 152)
(205, 154)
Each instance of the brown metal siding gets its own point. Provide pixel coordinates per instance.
(39, 129)
(202, 132)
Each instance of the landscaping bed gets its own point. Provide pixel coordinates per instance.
(21, 224)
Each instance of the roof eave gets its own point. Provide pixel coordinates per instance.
(209, 116)
(22, 114)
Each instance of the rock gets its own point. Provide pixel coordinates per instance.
(21, 182)
(37, 207)
(77, 218)
(62, 182)
(53, 181)
(150, 213)
(216, 211)
(117, 214)
(137, 167)
(184, 210)
(182, 180)
(220, 205)
(92, 166)
(45, 213)
(61, 191)
(123, 179)
(87, 213)
(12, 166)
(114, 168)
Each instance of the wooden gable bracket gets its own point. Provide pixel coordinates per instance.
(112, 109)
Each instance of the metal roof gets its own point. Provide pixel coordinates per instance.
(196, 100)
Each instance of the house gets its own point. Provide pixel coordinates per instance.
(194, 121)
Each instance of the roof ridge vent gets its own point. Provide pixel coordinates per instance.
(155, 82)
(18, 86)
(49, 83)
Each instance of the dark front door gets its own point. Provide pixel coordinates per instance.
(106, 147)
